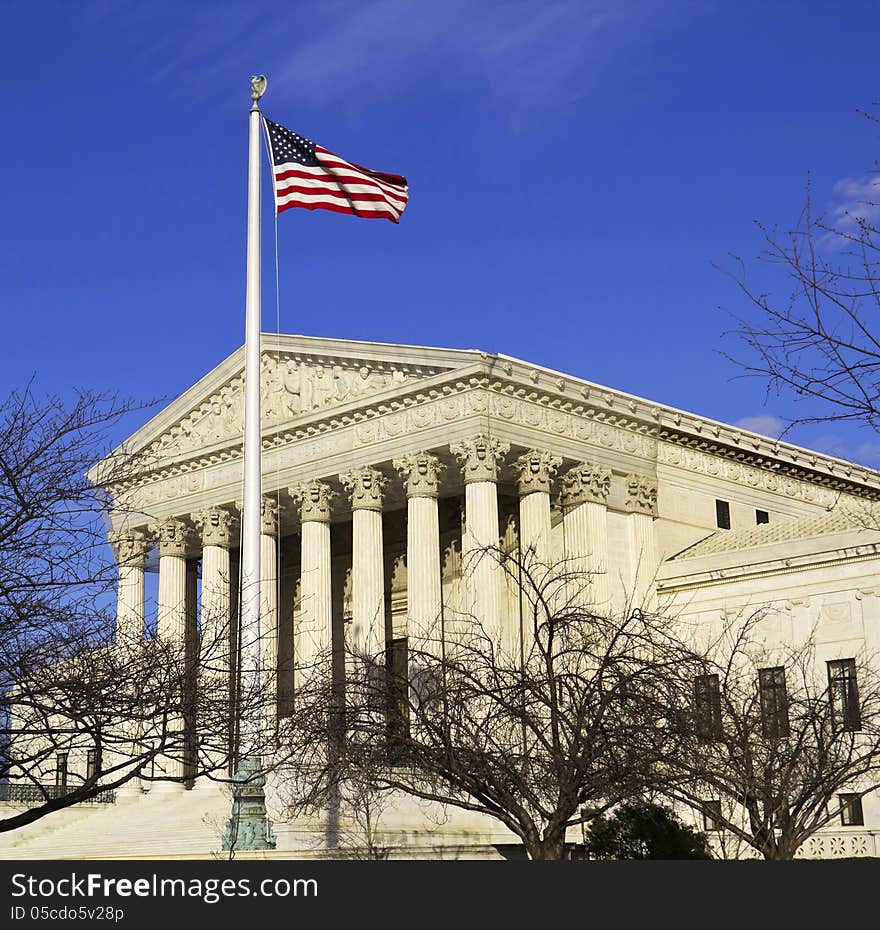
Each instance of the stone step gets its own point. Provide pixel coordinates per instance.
(188, 825)
(182, 822)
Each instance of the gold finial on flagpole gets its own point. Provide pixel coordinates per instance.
(258, 87)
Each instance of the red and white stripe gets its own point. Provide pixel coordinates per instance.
(341, 186)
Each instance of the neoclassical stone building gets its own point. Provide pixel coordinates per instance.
(384, 465)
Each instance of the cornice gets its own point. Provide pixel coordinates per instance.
(785, 566)
(678, 427)
(503, 376)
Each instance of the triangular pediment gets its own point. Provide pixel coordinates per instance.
(312, 385)
(303, 378)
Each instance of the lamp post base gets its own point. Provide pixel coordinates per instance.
(249, 826)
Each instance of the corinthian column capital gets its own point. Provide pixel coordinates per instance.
(641, 495)
(480, 457)
(131, 547)
(172, 535)
(421, 473)
(314, 499)
(215, 525)
(269, 512)
(365, 486)
(585, 483)
(536, 470)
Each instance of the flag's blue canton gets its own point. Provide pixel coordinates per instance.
(287, 146)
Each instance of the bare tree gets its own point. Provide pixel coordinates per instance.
(769, 739)
(539, 738)
(86, 708)
(819, 340)
(92, 711)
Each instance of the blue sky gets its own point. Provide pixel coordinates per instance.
(575, 170)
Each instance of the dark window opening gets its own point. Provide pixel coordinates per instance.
(761, 516)
(91, 764)
(707, 706)
(61, 770)
(851, 814)
(397, 714)
(722, 515)
(712, 814)
(774, 702)
(844, 695)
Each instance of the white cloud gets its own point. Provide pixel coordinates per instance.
(518, 52)
(846, 448)
(766, 424)
(868, 453)
(855, 201)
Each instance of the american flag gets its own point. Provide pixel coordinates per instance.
(307, 175)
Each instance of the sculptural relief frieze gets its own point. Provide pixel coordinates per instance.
(717, 467)
(294, 386)
(291, 387)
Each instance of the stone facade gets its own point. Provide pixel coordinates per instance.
(385, 466)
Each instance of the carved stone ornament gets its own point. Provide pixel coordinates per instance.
(215, 525)
(365, 486)
(269, 511)
(172, 536)
(314, 499)
(132, 547)
(421, 472)
(480, 457)
(536, 471)
(641, 495)
(290, 387)
(586, 483)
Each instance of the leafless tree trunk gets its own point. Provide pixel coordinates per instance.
(70, 682)
(768, 740)
(539, 742)
(818, 341)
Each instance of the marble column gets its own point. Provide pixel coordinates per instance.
(269, 606)
(131, 554)
(131, 547)
(316, 603)
(536, 470)
(641, 505)
(421, 474)
(539, 587)
(215, 527)
(172, 536)
(480, 459)
(584, 501)
(365, 486)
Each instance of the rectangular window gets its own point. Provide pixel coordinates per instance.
(712, 814)
(851, 810)
(707, 706)
(843, 692)
(722, 515)
(774, 702)
(61, 770)
(761, 516)
(91, 764)
(397, 665)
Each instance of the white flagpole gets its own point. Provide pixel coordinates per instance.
(248, 828)
(253, 451)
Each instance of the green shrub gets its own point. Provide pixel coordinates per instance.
(643, 830)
